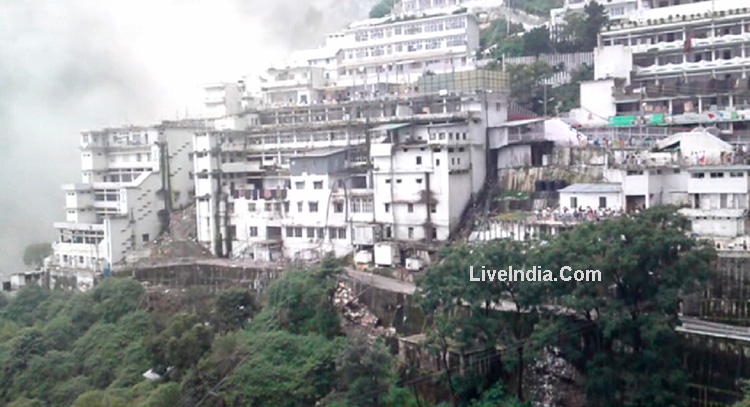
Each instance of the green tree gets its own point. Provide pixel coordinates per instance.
(302, 301)
(596, 19)
(100, 398)
(382, 9)
(181, 345)
(537, 41)
(364, 372)
(24, 402)
(496, 396)
(116, 297)
(23, 306)
(527, 84)
(283, 370)
(627, 320)
(233, 308)
(34, 254)
(67, 391)
(166, 395)
(465, 312)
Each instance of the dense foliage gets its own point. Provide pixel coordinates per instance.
(92, 349)
(529, 87)
(619, 331)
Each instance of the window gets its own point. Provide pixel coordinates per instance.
(635, 172)
(698, 175)
(318, 184)
(419, 180)
(267, 207)
(717, 175)
(338, 207)
(321, 233)
(289, 231)
(602, 201)
(398, 181)
(253, 231)
(437, 162)
(434, 233)
(298, 232)
(299, 185)
(387, 208)
(311, 233)
(419, 160)
(410, 208)
(361, 205)
(433, 208)
(312, 206)
(411, 233)
(145, 237)
(388, 232)
(735, 174)
(387, 181)
(573, 202)
(299, 206)
(251, 207)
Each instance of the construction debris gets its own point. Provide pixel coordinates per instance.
(357, 315)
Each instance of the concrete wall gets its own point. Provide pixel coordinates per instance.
(591, 199)
(597, 99)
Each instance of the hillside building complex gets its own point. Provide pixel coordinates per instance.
(131, 176)
(678, 65)
(298, 181)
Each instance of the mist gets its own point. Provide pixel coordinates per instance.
(73, 65)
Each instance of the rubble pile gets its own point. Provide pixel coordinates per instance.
(552, 381)
(357, 315)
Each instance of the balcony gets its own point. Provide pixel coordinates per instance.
(736, 64)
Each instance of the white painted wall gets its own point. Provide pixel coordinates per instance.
(615, 200)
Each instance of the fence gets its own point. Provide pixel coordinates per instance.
(571, 63)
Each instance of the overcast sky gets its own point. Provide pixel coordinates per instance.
(73, 65)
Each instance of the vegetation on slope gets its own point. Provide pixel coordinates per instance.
(91, 349)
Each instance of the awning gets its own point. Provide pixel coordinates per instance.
(389, 127)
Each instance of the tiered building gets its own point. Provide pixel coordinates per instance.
(677, 65)
(298, 181)
(131, 176)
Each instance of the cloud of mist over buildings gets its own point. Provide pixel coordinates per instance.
(73, 65)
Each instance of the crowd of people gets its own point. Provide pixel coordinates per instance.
(580, 214)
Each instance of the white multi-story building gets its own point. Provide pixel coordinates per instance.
(400, 51)
(308, 179)
(131, 177)
(616, 10)
(718, 200)
(223, 99)
(680, 65)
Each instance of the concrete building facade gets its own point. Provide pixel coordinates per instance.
(130, 177)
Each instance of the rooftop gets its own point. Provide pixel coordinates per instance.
(593, 188)
(720, 168)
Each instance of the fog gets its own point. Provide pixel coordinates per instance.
(73, 65)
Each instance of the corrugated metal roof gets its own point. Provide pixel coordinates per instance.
(593, 188)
